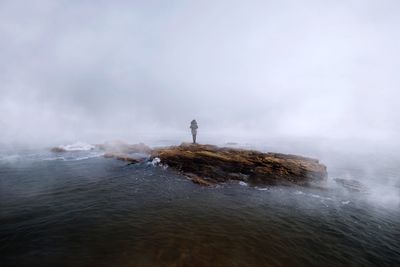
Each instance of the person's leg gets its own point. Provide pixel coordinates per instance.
(194, 138)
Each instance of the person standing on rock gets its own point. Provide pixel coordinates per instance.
(193, 127)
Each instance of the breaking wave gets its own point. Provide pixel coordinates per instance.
(78, 146)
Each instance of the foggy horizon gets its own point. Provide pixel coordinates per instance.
(78, 71)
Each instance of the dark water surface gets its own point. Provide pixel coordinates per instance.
(84, 210)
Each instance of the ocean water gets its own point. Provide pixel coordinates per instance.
(80, 209)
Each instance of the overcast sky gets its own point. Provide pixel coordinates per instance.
(96, 70)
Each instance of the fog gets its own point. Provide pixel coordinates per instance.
(141, 70)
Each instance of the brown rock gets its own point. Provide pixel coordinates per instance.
(58, 149)
(198, 180)
(123, 157)
(213, 165)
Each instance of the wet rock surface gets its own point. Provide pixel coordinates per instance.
(208, 165)
(58, 150)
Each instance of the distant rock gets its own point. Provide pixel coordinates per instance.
(351, 185)
(231, 144)
(58, 149)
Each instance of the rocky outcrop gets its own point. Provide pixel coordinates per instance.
(207, 165)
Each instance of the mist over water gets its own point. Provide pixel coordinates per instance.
(93, 72)
(318, 79)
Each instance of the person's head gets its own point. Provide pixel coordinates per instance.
(194, 122)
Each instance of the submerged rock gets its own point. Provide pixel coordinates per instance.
(208, 164)
(58, 149)
(124, 157)
(351, 185)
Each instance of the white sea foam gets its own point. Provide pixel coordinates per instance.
(55, 158)
(70, 157)
(262, 188)
(88, 157)
(79, 146)
(243, 183)
(155, 162)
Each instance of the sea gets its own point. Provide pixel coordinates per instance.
(78, 208)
